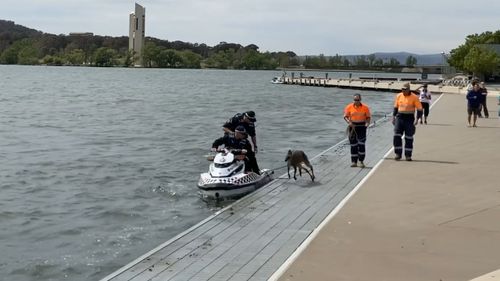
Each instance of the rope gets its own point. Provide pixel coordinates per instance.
(281, 167)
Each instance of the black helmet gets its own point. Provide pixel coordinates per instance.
(250, 115)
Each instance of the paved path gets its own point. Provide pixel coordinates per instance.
(436, 218)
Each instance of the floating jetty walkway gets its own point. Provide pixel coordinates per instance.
(435, 218)
(379, 84)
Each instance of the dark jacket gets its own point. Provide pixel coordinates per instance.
(474, 98)
(231, 142)
(236, 121)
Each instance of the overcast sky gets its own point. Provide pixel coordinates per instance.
(329, 27)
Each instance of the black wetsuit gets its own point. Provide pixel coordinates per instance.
(231, 142)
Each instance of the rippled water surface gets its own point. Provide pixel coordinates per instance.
(99, 165)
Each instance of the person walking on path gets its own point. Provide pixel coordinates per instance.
(405, 105)
(483, 107)
(358, 116)
(473, 97)
(425, 100)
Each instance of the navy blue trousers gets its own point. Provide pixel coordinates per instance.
(404, 126)
(357, 139)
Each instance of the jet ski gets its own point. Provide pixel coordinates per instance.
(226, 177)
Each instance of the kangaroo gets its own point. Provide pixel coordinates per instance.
(298, 159)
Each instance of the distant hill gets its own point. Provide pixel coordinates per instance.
(16, 29)
(11, 32)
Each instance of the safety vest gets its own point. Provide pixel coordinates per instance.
(407, 104)
(357, 114)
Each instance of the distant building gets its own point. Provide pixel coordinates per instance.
(81, 34)
(136, 33)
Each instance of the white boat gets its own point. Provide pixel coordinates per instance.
(278, 80)
(226, 178)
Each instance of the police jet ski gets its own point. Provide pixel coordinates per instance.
(226, 177)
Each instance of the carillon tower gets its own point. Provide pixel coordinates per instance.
(136, 33)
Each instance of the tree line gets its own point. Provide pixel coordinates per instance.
(22, 45)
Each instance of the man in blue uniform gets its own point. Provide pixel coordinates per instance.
(474, 98)
(245, 119)
(239, 142)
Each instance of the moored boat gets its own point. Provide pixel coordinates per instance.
(278, 80)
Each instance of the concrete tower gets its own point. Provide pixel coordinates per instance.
(136, 33)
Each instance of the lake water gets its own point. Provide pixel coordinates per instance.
(100, 165)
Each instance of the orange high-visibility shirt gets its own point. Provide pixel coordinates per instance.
(357, 114)
(407, 104)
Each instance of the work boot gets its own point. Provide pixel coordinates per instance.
(361, 164)
(398, 157)
(354, 164)
(408, 158)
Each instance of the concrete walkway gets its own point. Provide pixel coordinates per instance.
(436, 218)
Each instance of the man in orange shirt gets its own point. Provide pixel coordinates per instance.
(358, 116)
(404, 121)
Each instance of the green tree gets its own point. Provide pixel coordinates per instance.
(346, 63)
(223, 59)
(52, 60)
(312, 62)
(361, 62)
(283, 60)
(149, 54)
(168, 58)
(253, 60)
(105, 56)
(335, 61)
(371, 59)
(20, 52)
(76, 57)
(457, 55)
(411, 61)
(480, 60)
(128, 59)
(378, 63)
(190, 59)
(9, 56)
(393, 62)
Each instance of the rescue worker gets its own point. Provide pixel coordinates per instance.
(404, 121)
(245, 119)
(240, 144)
(358, 116)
